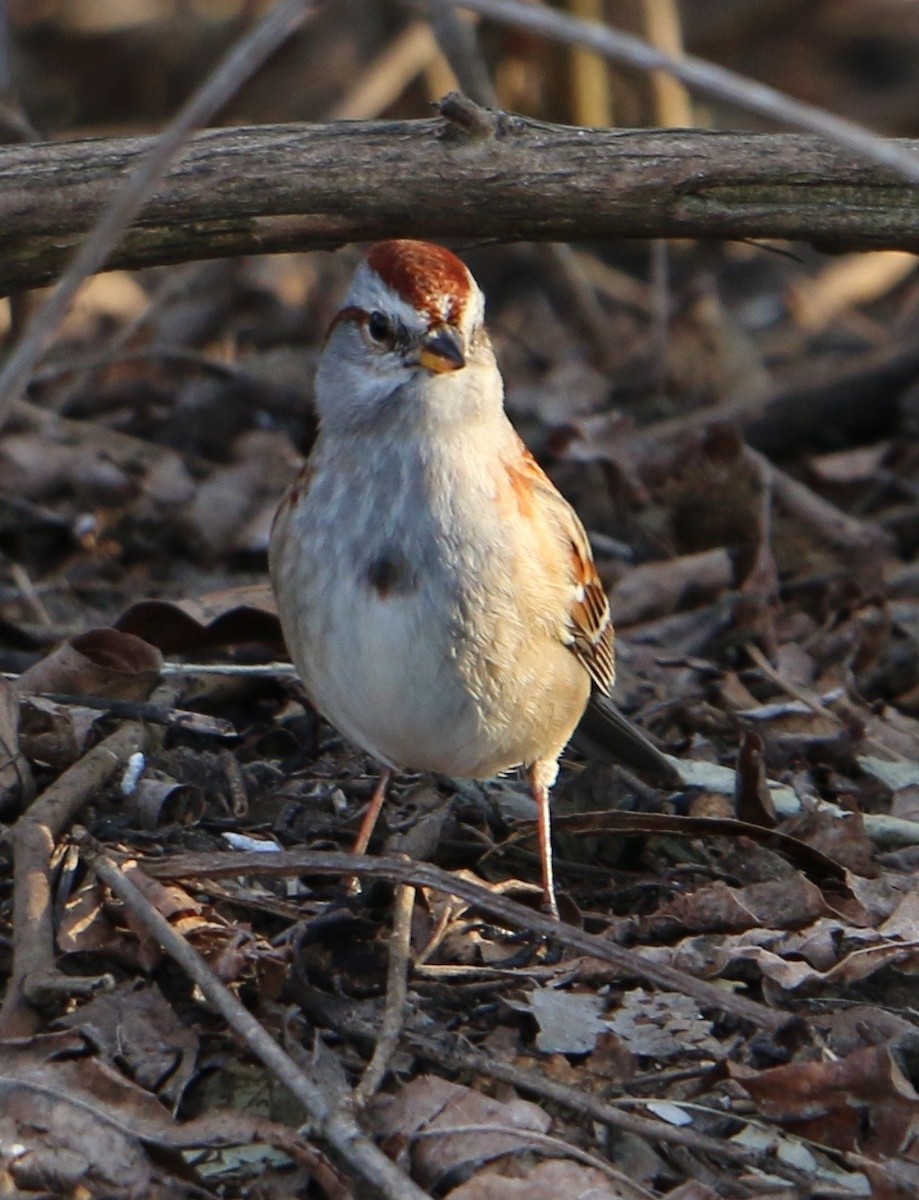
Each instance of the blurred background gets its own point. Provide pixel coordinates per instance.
(106, 66)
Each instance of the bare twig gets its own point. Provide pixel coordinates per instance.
(396, 993)
(336, 1126)
(200, 724)
(459, 43)
(500, 908)
(803, 695)
(825, 519)
(244, 59)
(34, 979)
(701, 76)
(672, 108)
(251, 670)
(15, 126)
(591, 1107)
(532, 1139)
(453, 1055)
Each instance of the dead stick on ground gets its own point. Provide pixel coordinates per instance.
(335, 1125)
(396, 994)
(452, 1054)
(824, 518)
(154, 714)
(246, 57)
(520, 1140)
(517, 916)
(34, 979)
(593, 1108)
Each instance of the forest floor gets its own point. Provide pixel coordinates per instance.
(727, 1008)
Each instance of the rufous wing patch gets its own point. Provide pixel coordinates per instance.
(526, 477)
(295, 493)
(592, 625)
(589, 618)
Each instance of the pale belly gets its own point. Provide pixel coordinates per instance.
(389, 683)
(399, 678)
(434, 668)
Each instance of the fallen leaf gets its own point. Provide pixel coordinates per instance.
(428, 1104)
(100, 662)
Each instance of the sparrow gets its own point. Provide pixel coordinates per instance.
(437, 594)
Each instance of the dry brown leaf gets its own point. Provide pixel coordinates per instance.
(895, 731)
(135, 1028)
(864, 1101)
(786, 903)
(856, 1026)
(842, 839)
(232, 616)
(76, 1121)
(859, 465)
(546, 1181)
(827, 953)
(55, 734)
(660, 1025)
(658, 588)
(100, 662)
(87, 927)
(693, 1190)
(157, 799)
(429, 1103)
(568, 1022)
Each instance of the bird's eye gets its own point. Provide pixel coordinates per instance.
(379, 327)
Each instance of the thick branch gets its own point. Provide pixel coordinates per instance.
(271, 188)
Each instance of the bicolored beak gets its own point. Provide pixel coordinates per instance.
(442, 349)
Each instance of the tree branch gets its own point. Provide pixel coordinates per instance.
(294, 187)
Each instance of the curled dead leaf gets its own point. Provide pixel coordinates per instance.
(427, 1104)
(231, 617)
(100, 662)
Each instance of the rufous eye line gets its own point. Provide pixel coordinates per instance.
(350, 312)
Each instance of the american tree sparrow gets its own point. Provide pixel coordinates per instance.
(437, 594)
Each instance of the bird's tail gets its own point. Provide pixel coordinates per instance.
(606, 734)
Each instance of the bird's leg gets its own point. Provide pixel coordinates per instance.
(372, 815)
(539, 786)
(352, 884)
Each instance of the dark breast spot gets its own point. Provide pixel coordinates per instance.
(391, 574)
